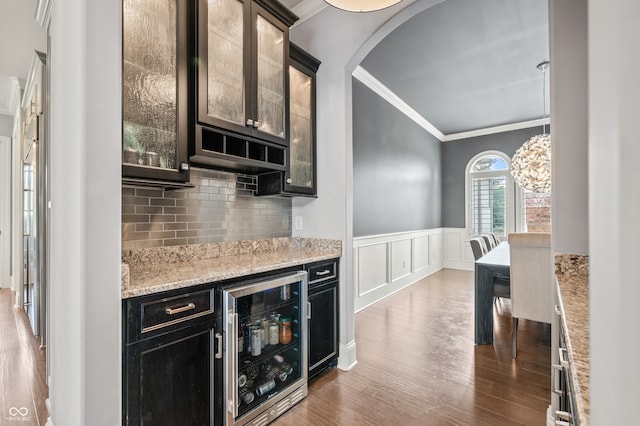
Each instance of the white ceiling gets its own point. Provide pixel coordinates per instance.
(20, 35)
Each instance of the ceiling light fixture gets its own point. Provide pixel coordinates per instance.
(531, 164)
(362, 5)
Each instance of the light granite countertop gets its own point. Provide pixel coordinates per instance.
(572, 273)
(153, 270)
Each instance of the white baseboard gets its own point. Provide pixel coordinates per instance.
(347, 359)
(47, 403)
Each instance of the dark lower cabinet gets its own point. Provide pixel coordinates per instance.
(323, 317)
(174, 376)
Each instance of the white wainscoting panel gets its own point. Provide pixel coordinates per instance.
(373, 267)
(420, 253)
(457, 250)
(384, 264)
(435, 249)
(454, 246)
(400, 259)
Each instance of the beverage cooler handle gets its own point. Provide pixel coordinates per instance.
(233, 357)
(218, 354)
(308, 310)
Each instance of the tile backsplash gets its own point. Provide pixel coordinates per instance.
(221, 207)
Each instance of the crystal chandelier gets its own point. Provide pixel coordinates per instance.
(531, 164)
(362, 5)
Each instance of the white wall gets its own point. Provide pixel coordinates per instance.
(340, 40)
(16, 203)
(85, 338)
(5, 211)
(569, 135)
(614, 131)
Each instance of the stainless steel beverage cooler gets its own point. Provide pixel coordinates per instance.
(265, 332)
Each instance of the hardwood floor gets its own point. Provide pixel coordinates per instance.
(22, 368)
(418, 365)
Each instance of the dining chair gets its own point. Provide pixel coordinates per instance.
(531, 280)
(495, 238)
(479, 247)
(488, 240)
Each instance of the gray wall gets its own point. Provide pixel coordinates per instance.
(396, 169)
(456, 155)
(6, 125)
(220, 207)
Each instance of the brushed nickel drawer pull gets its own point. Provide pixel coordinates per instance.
(170, 311)
(325, 272)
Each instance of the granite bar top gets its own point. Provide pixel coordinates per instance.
(153, 270)
(572, 273)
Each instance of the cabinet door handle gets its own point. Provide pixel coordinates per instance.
(323, 273)
(171, 311)
(308, 310)
(249, 122)
(218, 354)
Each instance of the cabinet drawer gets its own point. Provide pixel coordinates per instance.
(323, 271)
(157, 314)
(148, 316)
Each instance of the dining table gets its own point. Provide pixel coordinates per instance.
(495, 262)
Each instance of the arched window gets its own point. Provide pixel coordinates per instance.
(490, 194)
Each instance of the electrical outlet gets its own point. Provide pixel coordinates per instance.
(298, 223)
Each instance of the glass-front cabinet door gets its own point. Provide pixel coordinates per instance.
(154, 90)
(301, 177)
(223, 96)
(271, 76)
(243, 51)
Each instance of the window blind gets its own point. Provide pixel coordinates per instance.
(488, 205)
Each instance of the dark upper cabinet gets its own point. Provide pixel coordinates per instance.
(243, 59)
(154, 92)
(299, 178)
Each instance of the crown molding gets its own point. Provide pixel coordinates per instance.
(385, 93)
(497, 129)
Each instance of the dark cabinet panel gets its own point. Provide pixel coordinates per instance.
(169, 381)
(323, 327)
(324, 318)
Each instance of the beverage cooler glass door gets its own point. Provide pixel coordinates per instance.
(265, 329)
